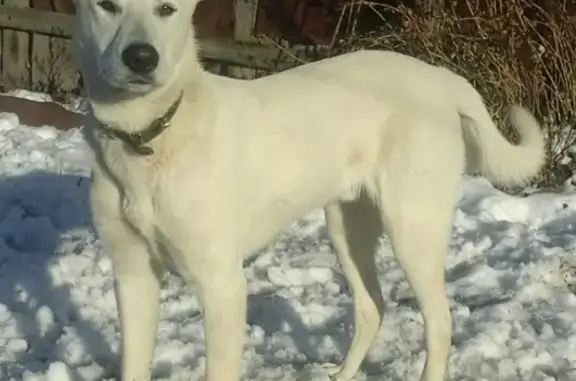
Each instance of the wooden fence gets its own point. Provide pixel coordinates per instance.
(35, 48)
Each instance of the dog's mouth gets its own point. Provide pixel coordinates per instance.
(141, 81)
(129, 82)
(137, 84)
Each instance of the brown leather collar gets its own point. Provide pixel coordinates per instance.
(136, 140)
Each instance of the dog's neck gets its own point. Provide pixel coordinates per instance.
(137, 141)
(129, 112)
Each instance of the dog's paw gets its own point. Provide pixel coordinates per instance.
(335, 372)
(568, 271)
(331, 369)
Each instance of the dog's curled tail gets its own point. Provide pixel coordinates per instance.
(490, 153)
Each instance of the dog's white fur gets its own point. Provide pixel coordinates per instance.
(378, 139)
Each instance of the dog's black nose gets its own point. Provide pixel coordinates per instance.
(141, 58)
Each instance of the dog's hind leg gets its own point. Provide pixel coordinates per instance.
(418, 196)
(354, 228)
(419, 243)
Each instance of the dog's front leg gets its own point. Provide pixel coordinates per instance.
(223, 296)
(137, 297)
(137, 281)
(137, 289)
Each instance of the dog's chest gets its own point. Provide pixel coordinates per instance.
(162, 199)
(136, 202)
(147, 204)
(137, 178)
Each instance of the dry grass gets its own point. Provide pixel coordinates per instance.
(511, 50)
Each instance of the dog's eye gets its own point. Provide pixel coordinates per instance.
(165, 10)
(109, 6)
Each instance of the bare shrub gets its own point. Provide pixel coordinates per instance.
(61, 86)
(512, 51)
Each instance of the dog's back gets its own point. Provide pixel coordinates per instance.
(408, 84)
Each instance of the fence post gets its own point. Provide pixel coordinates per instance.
(40, 69)
(245, 19)
(15, 54)
(244, 22)
(53, 68)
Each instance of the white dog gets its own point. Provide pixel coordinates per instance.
(204, 170)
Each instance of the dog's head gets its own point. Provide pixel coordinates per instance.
(133, 45)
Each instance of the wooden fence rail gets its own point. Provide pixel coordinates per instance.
(30, 37)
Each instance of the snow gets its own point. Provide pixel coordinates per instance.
(511, 265)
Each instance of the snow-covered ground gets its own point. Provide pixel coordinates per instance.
(514, 316)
